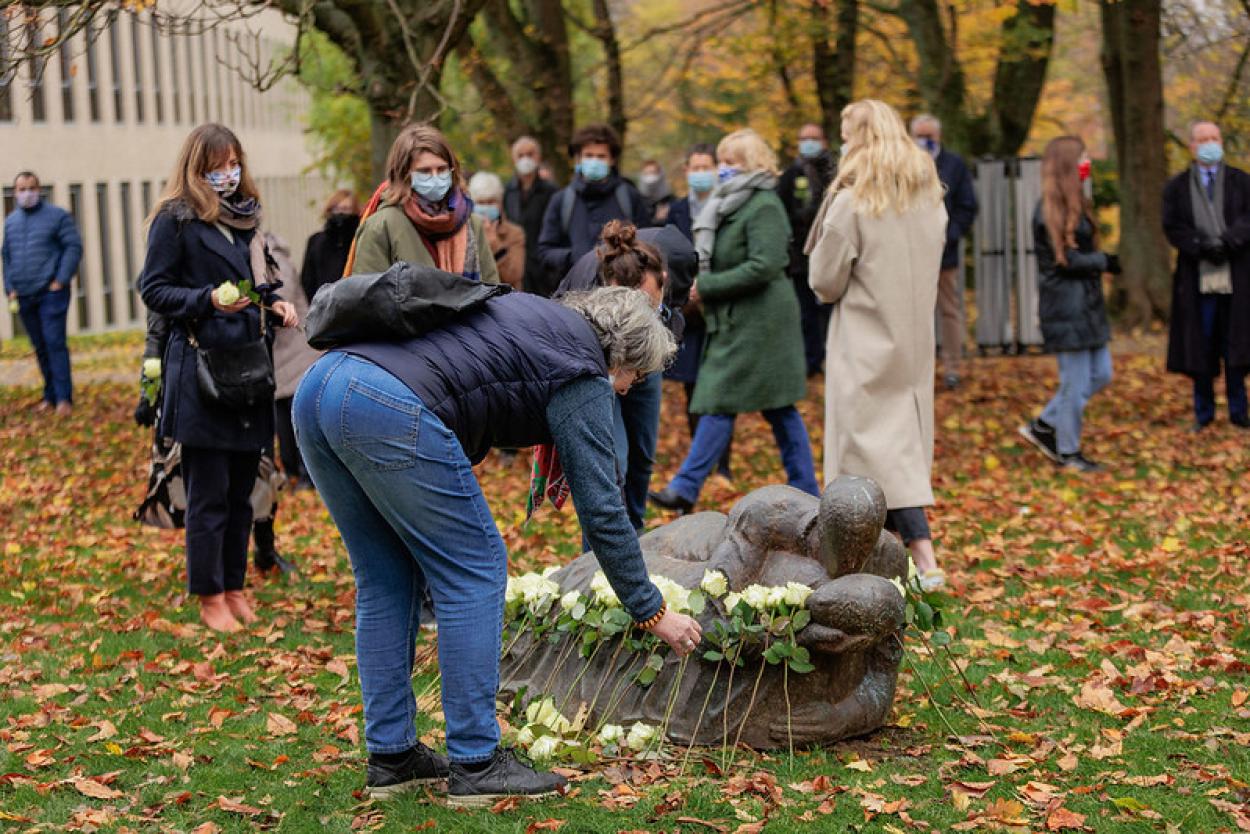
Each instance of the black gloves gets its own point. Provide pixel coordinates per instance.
(1213, 250)
(1113, 264)
(145, 412)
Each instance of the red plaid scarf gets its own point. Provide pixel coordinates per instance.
(546, 481)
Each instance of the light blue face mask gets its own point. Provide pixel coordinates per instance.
(1210, 153)
(725, 173)
(491, 213)
(701, 182)
(594, 170)
(432, 187)
(810, 148)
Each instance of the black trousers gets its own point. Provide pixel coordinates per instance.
(910, 523)
(219, 517)
(288, 448)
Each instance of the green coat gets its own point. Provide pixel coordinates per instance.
(753, 354)
(388, 237)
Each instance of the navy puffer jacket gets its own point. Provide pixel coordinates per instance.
(490, 375)
(41, 245)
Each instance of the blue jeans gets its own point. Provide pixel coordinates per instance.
(636, 427)
(1082, 374)
(1214, 311)
(43, 315)
(411, 514)
(714, 434)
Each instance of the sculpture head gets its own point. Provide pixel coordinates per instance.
(847, 524)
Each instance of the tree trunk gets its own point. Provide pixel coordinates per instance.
(941, 78)
(1028, 37)
(1131, 32)
(605, 31)
(834, 66)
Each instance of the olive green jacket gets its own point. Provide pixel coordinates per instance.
(388, 237)
(753, 354)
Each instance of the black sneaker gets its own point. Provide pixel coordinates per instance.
(669, 500)
(421, 767)
(1079, 462)
(1043, 437)
(951, 381)
(504, 776)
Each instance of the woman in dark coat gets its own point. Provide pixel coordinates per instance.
(326, 252)
(1071, 308)
(203, 234)
(390, 433)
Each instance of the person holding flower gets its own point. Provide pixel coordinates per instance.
(203, 243)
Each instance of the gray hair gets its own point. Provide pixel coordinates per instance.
(629, 329)
(926, 119)
(526, 140)
(485, 186)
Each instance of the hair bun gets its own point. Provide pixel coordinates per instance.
(618, 238)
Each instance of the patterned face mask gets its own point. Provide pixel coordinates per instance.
(224, 183)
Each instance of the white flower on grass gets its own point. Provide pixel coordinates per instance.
(714, 583)
(545, 713)
(602, 591)
(796, 594)
(640, 735)
(543, 748)
(611, 734)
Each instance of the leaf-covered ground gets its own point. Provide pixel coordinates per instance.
(1101, 622)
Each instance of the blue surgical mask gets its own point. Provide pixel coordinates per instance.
(810, 148)
(1210, 153)
(225, 183)
(593, 170)
(491, 213)
(701, 182)
(725, 173)
(929, 144)
(432, 187)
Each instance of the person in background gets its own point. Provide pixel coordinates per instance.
(291, 357)
(325, 254)
(1206, 216)
(204, 234)
(547, 175)
(753, 356)
(506, 239)
(392, 432)
(422, 214)
(655, 190)
(879, 383)
(40, 254)
(660, 262)
(1071, 307)
(525, 200)
(801, 189)
(578, 212)
(961, 212)
(700, 172)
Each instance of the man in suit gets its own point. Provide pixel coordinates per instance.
(1206, 216)
(961, 211)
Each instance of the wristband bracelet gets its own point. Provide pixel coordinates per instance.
(654, 620)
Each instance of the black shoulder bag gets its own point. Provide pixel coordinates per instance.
(235, 377)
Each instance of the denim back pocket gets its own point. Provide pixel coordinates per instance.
(380, 427)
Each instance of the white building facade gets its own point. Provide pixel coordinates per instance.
(101, 124)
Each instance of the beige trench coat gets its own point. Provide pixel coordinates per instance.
(882, 273)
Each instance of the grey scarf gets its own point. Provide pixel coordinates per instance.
(725, 199)
(1213, 279)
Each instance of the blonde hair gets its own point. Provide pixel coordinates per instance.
(205, 149)
(751, 150)
(337, 197)
(883, 168)
(411, 142)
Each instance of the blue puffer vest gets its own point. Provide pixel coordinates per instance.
(490, 375)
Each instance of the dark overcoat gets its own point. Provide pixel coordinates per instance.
(1187, 349)
(186, 259)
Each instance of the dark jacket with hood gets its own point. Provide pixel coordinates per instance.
(526, 208)
(1071, 307)
(594, 204)
(325, 256)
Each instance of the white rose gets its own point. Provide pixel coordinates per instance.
(899, 586)
(603, 593)
(732, 600)
(714, 583)
(543, 748)
(640, 735)
(796, 594)
(152, 368)
(756, 596)
(569, 601)
(227, 293)
(611, 734)
(776, 596)
(525, 737)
